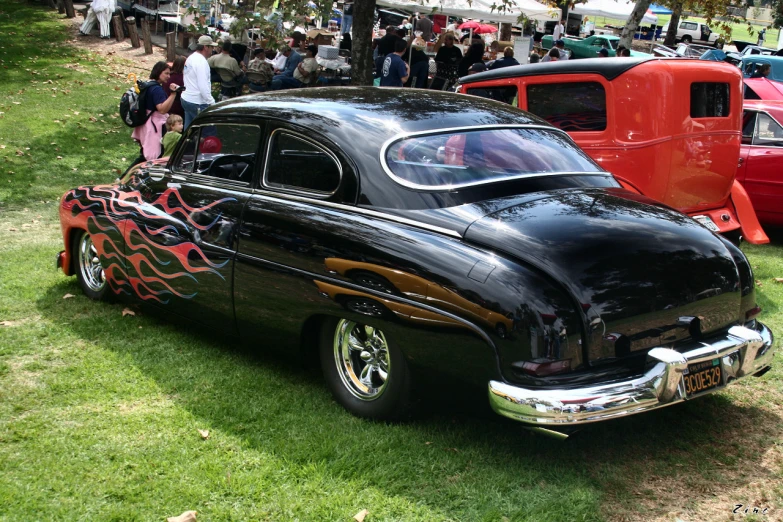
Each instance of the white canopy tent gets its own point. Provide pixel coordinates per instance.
(478, 9)
(618, 9)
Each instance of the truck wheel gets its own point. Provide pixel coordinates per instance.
(687, 39)
(366, 373)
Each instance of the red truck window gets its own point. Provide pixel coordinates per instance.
(507, 94)
(709, 100)
(579, 106)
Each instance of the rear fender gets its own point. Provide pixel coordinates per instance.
(746, 215)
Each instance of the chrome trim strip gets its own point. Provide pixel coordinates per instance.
(313, 193)
(359, 210)
(434, 132)
(742, 352)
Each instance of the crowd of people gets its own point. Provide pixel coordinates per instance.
(184, 88)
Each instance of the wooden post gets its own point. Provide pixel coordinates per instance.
(69, 12)
(119, 34)
(133, 32)
(171, 46)
(145, 34)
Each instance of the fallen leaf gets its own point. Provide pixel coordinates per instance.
(84, 139)
(187, 516)
(6, 323)
(427, 443)
(779, 279)
(204, 434)
(59, 157)
(2, 146)
(76, 112)
(20, 153)
(452, 449)
(128, 311)
(93, 118)
(68, 296)
(359, 517)
(12, 229)
(758, 283)
(17, 103)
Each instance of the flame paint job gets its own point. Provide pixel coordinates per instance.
(108, 212)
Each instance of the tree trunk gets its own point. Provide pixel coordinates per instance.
(145, 34)
(632, 24)
(69, 12)
(505, 33)
(60, 7)
(563, 6)
(674, 23)
(361, 49)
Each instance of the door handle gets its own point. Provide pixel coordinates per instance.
(741, 161)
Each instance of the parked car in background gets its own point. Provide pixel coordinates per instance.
(588, 47)
(750, 66)
(402, 237)
(761, 162)
(667, 128)
(750, 50)
(695, 32)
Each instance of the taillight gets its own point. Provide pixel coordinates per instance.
(752, 313)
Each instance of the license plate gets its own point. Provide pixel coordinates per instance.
(707, 222)
(703, 376)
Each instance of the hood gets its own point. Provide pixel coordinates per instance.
(644, 274)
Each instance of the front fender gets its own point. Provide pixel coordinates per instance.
(746, 215)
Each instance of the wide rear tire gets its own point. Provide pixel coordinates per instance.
(89, 271)
(365, 371)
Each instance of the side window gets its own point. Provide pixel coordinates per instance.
(569, 106)
(183, 159)
(688, 26)
(709, 100)
(506, 94)
(296, 163)
(768, 131)
(748, 127)
(599, 42)
(227, 151)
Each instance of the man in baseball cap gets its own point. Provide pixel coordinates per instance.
(603, 52)
(560, 44)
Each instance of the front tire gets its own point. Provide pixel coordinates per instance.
(687, 39)
(89, 271)
(365, 372)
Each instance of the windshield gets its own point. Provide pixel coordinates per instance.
(472, 157)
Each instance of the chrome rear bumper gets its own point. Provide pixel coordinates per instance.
(742, 351)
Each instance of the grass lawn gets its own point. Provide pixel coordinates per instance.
(100, 412)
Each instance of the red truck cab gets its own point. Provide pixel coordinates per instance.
(667, 128)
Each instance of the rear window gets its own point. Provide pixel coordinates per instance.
(709, 100)
(473, 157)
(572, 107)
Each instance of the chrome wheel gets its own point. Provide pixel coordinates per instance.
(89, 265)
(361, 354)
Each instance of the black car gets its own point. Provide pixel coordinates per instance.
(407, 234)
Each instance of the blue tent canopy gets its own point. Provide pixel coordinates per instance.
(659, 9)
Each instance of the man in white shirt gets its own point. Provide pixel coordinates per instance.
(559, 30)
(198, 88)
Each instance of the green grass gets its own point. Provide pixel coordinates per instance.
(99, 413)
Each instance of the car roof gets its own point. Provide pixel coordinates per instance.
(367, 116)
(774, 107)
(608, 68)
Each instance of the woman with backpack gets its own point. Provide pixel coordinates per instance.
(157, 105)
